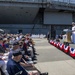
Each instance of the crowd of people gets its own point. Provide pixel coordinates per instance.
(17, 55)
(38, 36)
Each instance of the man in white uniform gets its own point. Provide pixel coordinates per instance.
(73, 32)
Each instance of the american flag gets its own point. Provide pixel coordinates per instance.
(72, 52)
(50, 41)
(57, 45)
(61, 46)
(66, 49)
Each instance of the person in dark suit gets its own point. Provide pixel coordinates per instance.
(13, 65)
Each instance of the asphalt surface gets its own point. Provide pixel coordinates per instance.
(52, 60)
(48, 53)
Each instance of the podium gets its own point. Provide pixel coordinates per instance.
(67, 36)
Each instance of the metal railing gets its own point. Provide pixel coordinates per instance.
(64, 1)
(38, 1)
(20, 0)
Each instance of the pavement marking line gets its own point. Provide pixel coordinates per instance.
(57, 67)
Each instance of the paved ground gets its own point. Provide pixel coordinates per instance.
(52, 60)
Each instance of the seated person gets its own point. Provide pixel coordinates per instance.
(16, 48)
(14, 67)
(3, 65)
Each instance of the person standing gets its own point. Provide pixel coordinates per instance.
(48, 36)
(73, 32)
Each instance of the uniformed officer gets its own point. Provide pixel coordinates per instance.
(73, 32)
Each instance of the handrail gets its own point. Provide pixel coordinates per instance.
(63, 1)
(44, 1)
(20, 0)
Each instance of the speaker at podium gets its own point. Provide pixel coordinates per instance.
(67, 36)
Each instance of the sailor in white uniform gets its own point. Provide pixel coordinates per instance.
(73, 32)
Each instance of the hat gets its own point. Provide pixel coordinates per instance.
(16, 43)
(16, 53)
